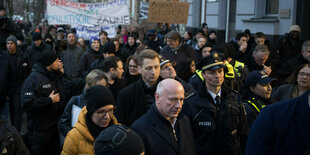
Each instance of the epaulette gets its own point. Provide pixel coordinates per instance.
(194, 76)
(191, 94)
(237, 92)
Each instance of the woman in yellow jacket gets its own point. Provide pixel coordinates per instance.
(94, 117)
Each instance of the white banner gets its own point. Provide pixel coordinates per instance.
(113, 12)
(88, 32)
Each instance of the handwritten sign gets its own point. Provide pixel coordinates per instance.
(88, 32)
(112, 12)
(168, 12)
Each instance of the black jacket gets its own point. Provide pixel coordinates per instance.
(7, 77)
(178, 56)
(65, 120)
(35, 52)
(127, 51)
(289, 48)
(133, 102)
(217, 128)
(70, 58)
(160, 138)
(155, 45)
(42, 114)
(89, 57)
(6, 28)
(11, 140)
(289, 67)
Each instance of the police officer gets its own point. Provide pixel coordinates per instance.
(257, 94)
(43, 96)
(235, 71)
(217, 114)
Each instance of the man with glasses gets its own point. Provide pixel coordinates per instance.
(96, 116)
(162, 129)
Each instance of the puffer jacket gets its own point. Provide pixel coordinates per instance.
(79, 140)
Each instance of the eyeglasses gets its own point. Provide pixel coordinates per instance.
(304, 74)
(103, 113)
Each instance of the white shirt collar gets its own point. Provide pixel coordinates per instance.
(214, 95)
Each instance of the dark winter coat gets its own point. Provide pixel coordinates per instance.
(217, 128)
(281, 128)
(35, 52)
(290, 66)
(289, 48)
(6, 28)
(8, 77)
(64, 123)
(42, 114)
(178, 56)
(89, 57)
(11, 141)
(133, 102)
(160, 138)
(71, 58)
(156, 45)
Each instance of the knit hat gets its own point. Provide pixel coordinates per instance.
(36, 36)
(92, 40)
(98, 96)
(109, 47)
(12, 38)
(48, 57)
(295, 28)
(118, 139)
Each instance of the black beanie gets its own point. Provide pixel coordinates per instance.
(118, 139)
(97, 97)
(36, 36)
(20, 37)
(109, 47)
(12, 38)
(48, 57)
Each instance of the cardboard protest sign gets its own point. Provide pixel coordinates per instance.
(168, 12)
(112, 12)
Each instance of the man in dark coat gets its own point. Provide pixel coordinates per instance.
(71, 57)
(162, 129)
(282, 128)
(291, 65)
(240, 44)
(134, 100)
(22, 69)
(7, 81)
(176, 51)
(37, 48)
(217, 114)
(44, 97)
(290, 44)
(153, 42)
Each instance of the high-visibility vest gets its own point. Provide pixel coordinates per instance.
(257, 106)
(237, 66)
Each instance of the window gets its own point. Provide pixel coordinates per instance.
(272, 6)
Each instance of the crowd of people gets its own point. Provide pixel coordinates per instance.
(158, 93)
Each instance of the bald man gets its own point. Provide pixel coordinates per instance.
(162, 129)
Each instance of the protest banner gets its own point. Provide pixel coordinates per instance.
(144, 10)
(88, 32)
(112, 12)
(168, 12)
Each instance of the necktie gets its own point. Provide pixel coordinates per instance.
(217, 100)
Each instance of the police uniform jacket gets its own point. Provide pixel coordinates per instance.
(217, 128)
(160, 138)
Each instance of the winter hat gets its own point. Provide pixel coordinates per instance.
(295, 28)
(118, 139)
(48, 57)
(36, 36)
(12, 38)
(109, 47)
(97, 97)
(93, 39)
